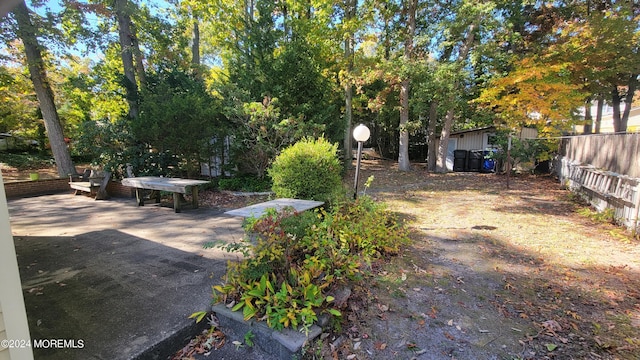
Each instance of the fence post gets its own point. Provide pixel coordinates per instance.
(636, 210)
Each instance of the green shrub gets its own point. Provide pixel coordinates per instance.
(309, 169)
(298, 258)
(245, 182)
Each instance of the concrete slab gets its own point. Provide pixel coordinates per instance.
(118, 279)
(258, 210)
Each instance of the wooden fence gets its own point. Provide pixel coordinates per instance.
(619, 153)
(605, 170)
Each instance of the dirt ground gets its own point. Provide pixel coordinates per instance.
(10, 173)
(494, 274)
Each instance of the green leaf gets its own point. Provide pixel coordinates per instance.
(334, 312)
(249, 312)
(198, 315)
(238, 306)
(551, 347)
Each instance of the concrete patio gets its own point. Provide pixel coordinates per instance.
(117, 280)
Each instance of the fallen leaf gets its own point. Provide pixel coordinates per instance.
(380, 345)
(433, 312)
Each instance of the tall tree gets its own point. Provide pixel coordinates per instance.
(465, 47)
(409, 9)
(128, 42)
(27, 32)
(350, 11)
(597, 41)
(534, 93)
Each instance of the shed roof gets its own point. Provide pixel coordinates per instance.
(491, 127)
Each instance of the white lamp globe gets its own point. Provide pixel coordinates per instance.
(361, 133)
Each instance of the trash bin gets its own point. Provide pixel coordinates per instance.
(460, 160)
(488, 162)
(474, 162)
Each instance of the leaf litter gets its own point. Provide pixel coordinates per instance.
(515, 273)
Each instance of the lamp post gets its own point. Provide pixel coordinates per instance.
(361, 134)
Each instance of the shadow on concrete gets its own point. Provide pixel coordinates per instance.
(111, 294)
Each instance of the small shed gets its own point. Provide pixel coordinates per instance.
(478, 139)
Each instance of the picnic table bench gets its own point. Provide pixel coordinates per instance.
(177, 186)
(91, 181)
(257, 210)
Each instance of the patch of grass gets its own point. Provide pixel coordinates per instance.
(398, 294)
(605, 216)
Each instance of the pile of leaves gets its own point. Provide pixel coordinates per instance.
(298, 259)
(209, 340)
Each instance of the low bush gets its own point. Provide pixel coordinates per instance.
(309, 169)
(297, 259)
(245, 182)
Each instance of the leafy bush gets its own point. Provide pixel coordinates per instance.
(245, 182)
(309, 169)
(299, 258)
(523, 150)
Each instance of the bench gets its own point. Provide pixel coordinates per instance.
(177, 186)
(92, 182)
(257, 210)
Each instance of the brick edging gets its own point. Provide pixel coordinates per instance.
(25, 188)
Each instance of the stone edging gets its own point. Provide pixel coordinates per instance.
(281, 344)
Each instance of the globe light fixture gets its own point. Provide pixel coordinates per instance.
(361, 134)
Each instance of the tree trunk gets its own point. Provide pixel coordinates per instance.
(598, 121)
(348, 115)
(432, 156)
(615, 105)
(37, 72)
(137, 56)
(441, 165)
(405, 86)
(628, 101)
(126, 53)
(588, 119)
(195, 49)
(350, 12)
(403, 145)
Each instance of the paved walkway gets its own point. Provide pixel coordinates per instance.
(116, 279)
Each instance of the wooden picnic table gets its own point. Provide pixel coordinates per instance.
(177, 186)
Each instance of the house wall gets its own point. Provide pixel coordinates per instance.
(13, 316)
(477, 140)
(606, 124)
(471, 140)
